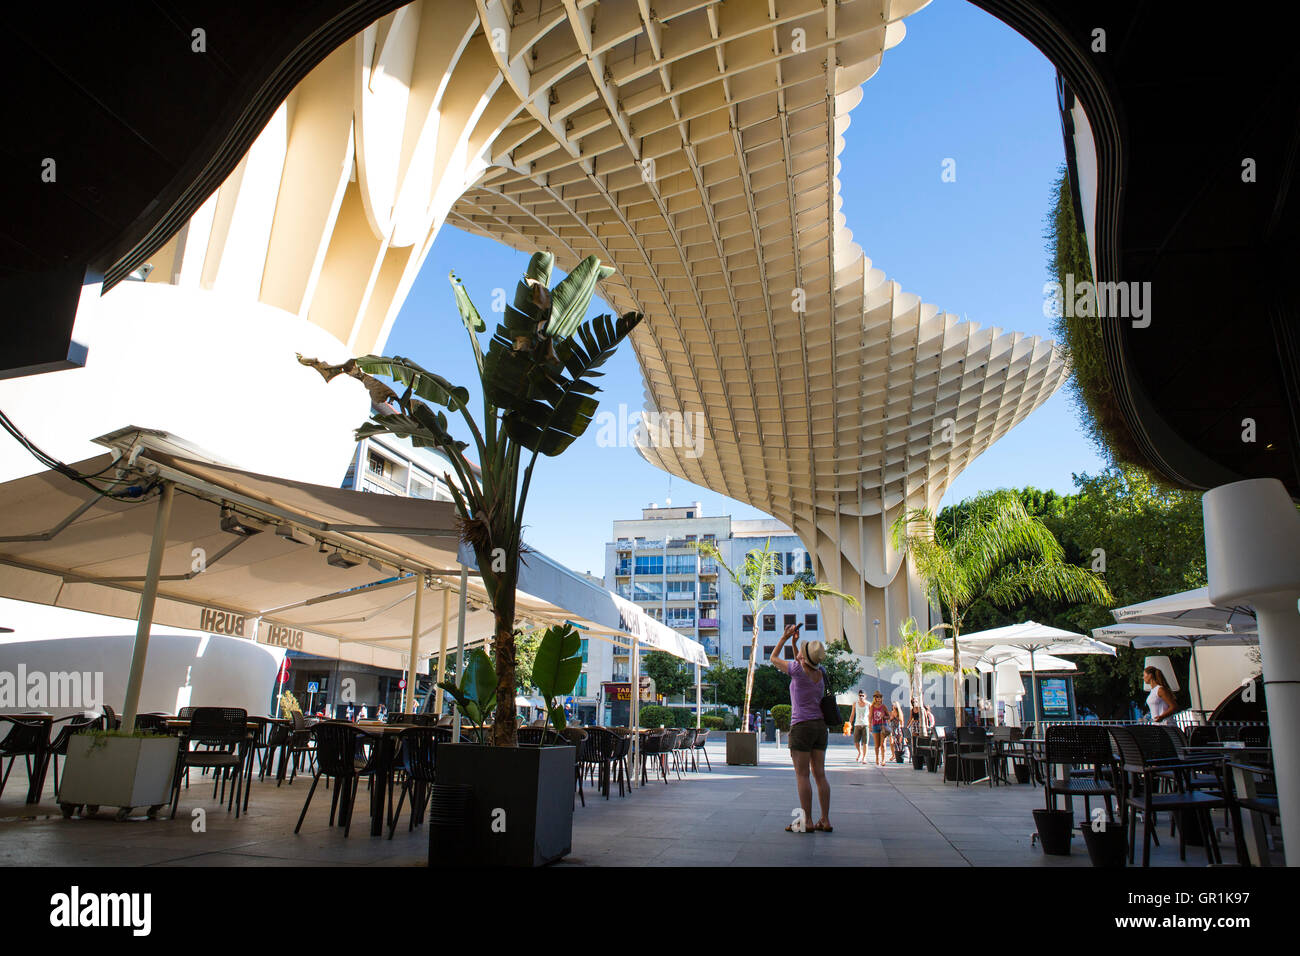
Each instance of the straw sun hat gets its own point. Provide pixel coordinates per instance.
(814, 651)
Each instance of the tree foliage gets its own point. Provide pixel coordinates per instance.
(671, 674)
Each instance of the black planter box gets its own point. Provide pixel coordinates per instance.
(521, 812)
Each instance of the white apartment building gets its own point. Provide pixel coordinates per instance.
(653, 561)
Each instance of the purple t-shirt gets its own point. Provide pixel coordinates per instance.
(806, 693)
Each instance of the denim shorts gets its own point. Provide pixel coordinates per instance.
(877, 728)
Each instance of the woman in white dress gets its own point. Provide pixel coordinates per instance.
(1160, 699)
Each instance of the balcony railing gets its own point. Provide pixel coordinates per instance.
(708, 622)
(680, 543)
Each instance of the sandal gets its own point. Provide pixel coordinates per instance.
(791, 829)
(824, 827)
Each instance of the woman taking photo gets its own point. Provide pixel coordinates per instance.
(858, 717)
(808, 731)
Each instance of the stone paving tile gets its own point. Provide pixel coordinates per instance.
(732, 816)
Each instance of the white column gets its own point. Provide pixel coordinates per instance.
(408, 705)
(697, 696)
(460, 649)
(634, 705)
(442, 652)
(148, 598)
(1252, 556)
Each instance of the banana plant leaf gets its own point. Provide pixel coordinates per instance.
(556, 667)
(548, 404)
(571, 297)
(427, 385)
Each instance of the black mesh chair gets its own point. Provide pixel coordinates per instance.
(651, 746)
(29, 739)
(975, 747)
(59, 746)
(223, 731)
(1152, 783)
(598, 758)
(701, 738)
(417, 756)
(151, 723)
(109, 720)
(577, 736)
(339, 755)
(622, 759)
(1086, 759)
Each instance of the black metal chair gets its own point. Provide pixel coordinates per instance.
(974, 746)
(59, 746)
(1087, 761)
(701, 738)
(598, 758)
(1152, 783)
(109, 720)
(223, 732)
(339, 748)
(651, 745)
(29, 739)
(298, 745)
(151, 723)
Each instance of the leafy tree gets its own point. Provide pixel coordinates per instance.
(842, 668)
(755, 577)
(999, 552)
(671, 674)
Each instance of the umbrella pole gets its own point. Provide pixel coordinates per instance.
(697, 695)
(1033, 680)
(634, 705)
(460, 649)
(408, 705)
(1196, 674)
(148, 598)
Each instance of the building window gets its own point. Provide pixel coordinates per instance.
(767, 651)
(769, 622)
(789, 652)
(789, 619)
(681, 564)
(744, 653)
(681, 617)
(810, 622)
(581, 689)
(648, 591)
(584, 651)
(691, 514)
(650, 564)
(681, 590)
(796, 562)
(747, 623)
(378, 464)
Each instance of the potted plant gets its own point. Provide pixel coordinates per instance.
(113, 768)
(538, 398)
(756, 578)
(1107, 843)
(1054, 830)
(522, 808)
(781, 717)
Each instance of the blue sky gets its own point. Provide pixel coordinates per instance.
(961, 86)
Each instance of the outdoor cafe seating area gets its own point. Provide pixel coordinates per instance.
(396, 758)
(1136, 773)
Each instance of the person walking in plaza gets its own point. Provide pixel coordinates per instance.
(858, 717)
(879, 716)
(809, 734)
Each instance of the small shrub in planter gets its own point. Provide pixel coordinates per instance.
(781, 714)
(709, 722)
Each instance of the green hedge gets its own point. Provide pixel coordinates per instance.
(653, 716)
(781, 716)
(711, 722)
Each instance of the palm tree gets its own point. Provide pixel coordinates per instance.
(1001, 554)
(537, 399)
(904, 655)
(756, 579)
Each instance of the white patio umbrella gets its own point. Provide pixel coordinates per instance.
(993, 657)
(1034, 637)
(1189, 609)
(1145, 636)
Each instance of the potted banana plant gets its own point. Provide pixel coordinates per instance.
(537, 377)
(522, 809)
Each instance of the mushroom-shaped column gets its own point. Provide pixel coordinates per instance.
(1252, 553)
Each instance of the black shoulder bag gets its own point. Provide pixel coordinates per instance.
(830, 709)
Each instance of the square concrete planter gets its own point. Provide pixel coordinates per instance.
(123, 772)
(742, 748)
(519, 811)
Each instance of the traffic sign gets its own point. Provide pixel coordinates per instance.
(401, 684)
(313, 687)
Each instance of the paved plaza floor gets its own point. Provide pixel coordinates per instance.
(732, 816)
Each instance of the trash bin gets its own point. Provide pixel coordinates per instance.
(769, 731)
(1107, 847)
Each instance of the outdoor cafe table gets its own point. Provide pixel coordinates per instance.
(385, 751)
(36, 781)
